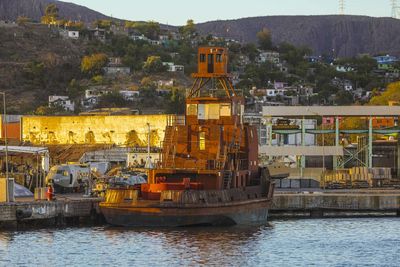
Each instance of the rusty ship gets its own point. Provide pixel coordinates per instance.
(208, 172)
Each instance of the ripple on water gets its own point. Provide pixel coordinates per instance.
(327, 242)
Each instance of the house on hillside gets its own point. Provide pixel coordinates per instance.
(98, 34)
(268, 56)
(140, 37)
(61, 101)
(171, 67)
(95, 92)
(166, 83)
(313, 59)
(92, 95)
(386, 59)
(115, 67)
(129, 95)
(344, 68)
(89, 103)
(69, 34)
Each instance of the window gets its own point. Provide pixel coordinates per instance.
(213, 111)
(225, 110)
(191, 109)
(201, 112)
(202, 141)
(218, 58)
(210, 59)
(202, 58)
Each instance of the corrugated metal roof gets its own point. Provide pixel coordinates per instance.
(340, 111)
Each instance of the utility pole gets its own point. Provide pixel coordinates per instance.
(148, 146)
(341, 7)
(6, 145)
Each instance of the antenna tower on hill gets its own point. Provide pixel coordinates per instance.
(341, 7)
(395, 9)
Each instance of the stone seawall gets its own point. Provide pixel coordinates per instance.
(57, 212)
(73, 210)
(335, 205)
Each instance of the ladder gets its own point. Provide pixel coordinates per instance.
(221, 159)
(227, 176)
(168, 160)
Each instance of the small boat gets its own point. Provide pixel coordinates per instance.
(208, 172)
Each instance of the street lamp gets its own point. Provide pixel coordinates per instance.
(148, 146)
(5, 143)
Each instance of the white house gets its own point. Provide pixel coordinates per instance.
(89, 93)
(138, 37)
(171, 67)
(73, 34)
(115, 67)
(61, 101)
(90, 102)
(165, 83)
(155, 42)
(114, 70)
(129, 95)
(268, 56)
(348, 86)
(276, 92)
(341, 68)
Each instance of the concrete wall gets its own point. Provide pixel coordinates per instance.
(129, 130)
(356, 202)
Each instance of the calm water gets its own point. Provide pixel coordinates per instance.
(333, 242)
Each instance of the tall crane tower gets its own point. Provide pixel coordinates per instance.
(395, 9)
(341, 7)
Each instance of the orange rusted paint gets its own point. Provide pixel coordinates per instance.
(209, 171)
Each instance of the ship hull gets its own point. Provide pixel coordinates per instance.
(148, 215)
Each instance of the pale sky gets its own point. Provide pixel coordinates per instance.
(176, 12)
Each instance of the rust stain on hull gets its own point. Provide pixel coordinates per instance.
(244, 213)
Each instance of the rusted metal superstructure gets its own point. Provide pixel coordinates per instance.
(208, 173)
(214, 147)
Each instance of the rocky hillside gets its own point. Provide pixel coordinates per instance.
(34, 63)
(34, 9)
(347, 35)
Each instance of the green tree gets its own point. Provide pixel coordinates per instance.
(250, 50)
(264, 39)
(294, 55)
(50, 14)
(112, 100)
(93, 64)
(35, 72)
(175, 101)
(189, 30)
(344, 98)
(102, 24)
(75, 25)
(74, 89)
(392, 93)
(153, 64)
(150, 29)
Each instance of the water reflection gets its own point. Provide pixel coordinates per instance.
(208, 245)
(334, 242)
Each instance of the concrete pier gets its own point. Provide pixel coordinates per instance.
(68, 210)
(331, 204)
(75, 210)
